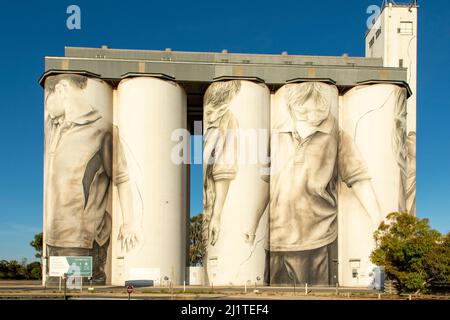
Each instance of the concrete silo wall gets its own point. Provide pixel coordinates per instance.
(78, 170)
(374, 116)
(294, 182)
(303, 181)
(236, 190)
(149, 111)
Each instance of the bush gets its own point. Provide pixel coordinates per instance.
(13, 270)
(413, 254)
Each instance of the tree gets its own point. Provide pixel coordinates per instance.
(197, 244)
(3, 269)
(438, 261)
(413, 254)
(13, 270)
(24, 270)
(37, 244)
(34, 270)
(20, 271)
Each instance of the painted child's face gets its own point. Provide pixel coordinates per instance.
(55, 100)
(312, 112)
(54, 105)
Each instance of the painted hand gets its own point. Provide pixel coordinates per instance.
(129, 236)
(214, 229)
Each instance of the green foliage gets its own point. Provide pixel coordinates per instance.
(24, 271)
(37, 244)
(197, 246)
(34, 270)
(20, 271)
(412, 253)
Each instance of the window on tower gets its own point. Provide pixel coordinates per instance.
(406, 27)
(378, 33)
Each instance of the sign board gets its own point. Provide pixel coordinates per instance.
(72, 266)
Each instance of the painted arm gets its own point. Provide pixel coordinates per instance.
(354, 172)
(128, 233)
(221, 191)
(251, 233)
(366, 195)
(224, 171)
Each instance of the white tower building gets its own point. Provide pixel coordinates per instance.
(393, 37)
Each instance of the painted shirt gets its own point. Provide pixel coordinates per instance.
(303, 183)
(79, 158)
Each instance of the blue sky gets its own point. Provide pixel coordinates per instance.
(31, 30)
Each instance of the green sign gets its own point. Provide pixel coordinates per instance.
(70, 266)
(79, 266)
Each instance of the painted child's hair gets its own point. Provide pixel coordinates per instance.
(299, 93)
(77, 80)
(221, 92)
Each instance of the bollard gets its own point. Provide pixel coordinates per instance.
(306, 289)
(256, 284)
(184, 286)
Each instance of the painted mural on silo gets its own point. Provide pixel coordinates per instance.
(374, 116)
(409, 153)
(235, 181)
(400, 144)
(150, 114)
(78, 176)
(411, 174)
(309, 154)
